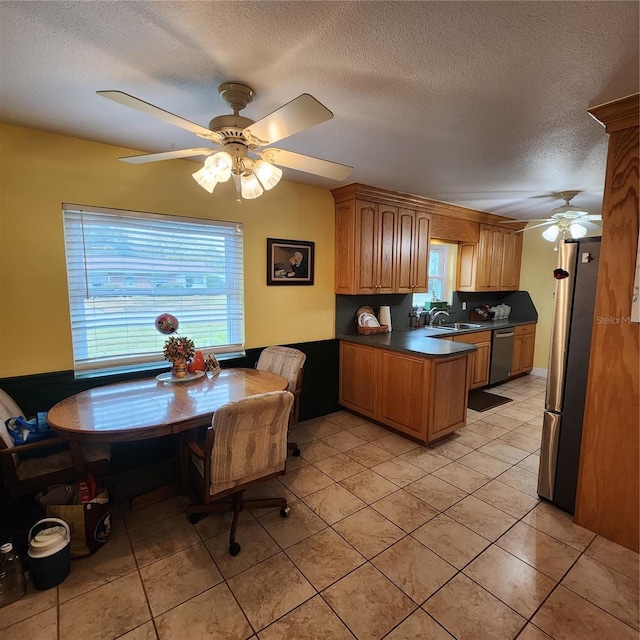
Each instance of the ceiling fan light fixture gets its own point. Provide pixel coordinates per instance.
(206, 179)
(551, 233)
(577, 231)
(268, 174)
(250, 186)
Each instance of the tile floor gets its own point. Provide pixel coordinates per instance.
(386, 539)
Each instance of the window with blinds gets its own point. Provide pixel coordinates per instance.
(124, 268)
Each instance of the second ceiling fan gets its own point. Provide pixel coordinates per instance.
(238, 140)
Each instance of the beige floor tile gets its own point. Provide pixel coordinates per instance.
(106, 612)
(270, 589)
(451, 449)
(559, 525)
(369, 486)
(340, 466)
(295, 462)
(369, 532)
(606, 588)
(270, 489)
(425, 459)
(324, 558)
(452, 541)
(333, 503)
(344, 419)
(520, 441)
(520, 479)
(436, 492)
(30, 604)
(369, 454)
(544, 553)
(257, 545)
(345, 440)
(415, 569)
(216, 523)
(213, 614)
(313, 620)
(399, 471)
(531, 463)
(487, 429)
(163, 538)
(533, 431)
(615, 556)
(145, 631)
(469, 438)
(405, 510)
(322, 427)
(395, 444)
(41, 626)
(117, 521)
(481, 517)
(419, 625)
(369, 431)
(515, 582)
(368, 603)
(192, 571)
(566, 615)
(507, 499)
(300, 435)
(484, 463)
(298, 525)
(503, 451)
(315, 450)
(153, 513)
(114, 560)
(520, 412)
(463, 608)
(304, 481)
(462, 477)
(533, 633)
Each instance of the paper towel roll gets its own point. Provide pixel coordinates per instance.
(385, 316)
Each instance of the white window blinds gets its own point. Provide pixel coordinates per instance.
(124, 268)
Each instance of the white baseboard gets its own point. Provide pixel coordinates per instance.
(538, 371)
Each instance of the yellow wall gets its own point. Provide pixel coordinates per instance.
(39, 171)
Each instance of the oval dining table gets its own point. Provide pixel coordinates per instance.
(151, 408)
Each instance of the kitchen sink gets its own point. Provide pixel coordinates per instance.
(456, 326)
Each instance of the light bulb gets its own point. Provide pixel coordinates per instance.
(551, 233)
(577, 230)
(206, 179)
(220, 164)
(250, 186)
(267, 174)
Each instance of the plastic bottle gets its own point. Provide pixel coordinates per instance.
(12, 582)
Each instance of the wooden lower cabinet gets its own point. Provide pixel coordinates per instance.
(478, 374)
(426, 398)
(523, 348)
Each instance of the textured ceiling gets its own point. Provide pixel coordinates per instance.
(483, 104)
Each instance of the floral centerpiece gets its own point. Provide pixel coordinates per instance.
(179, 351)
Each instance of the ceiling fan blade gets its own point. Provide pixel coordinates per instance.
(592, 217)
(301, 113)
(140, 105)
(535, 226)
(168, 155)
(308, 164)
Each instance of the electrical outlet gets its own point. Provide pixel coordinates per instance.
(464, 306)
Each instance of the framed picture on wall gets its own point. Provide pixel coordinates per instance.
(289, 262)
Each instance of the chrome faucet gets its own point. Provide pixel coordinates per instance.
(434, 314)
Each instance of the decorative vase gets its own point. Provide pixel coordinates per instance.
(179, 369)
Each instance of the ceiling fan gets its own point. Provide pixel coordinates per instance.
(238, 140)
(564, 220)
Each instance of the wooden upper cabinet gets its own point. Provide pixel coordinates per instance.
(511, 260)
(412, 252)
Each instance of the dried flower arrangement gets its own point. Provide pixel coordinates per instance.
(179, 348)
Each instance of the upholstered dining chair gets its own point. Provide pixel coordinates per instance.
(24, 474)
(246, 444)
(288, 363)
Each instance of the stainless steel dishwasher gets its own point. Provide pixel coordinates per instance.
(501, 355)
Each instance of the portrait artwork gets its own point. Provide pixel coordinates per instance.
(289, 262)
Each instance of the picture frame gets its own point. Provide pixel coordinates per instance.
(290, 262)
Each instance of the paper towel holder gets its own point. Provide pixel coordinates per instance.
(385, 316)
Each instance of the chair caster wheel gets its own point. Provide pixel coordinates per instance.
(195, 517)
(284, 512)
(296, 452)
(234, 549)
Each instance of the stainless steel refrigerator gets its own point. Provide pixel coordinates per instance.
(568, 369)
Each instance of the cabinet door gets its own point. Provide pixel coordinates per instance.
(344, 258)
(484, 267)
(357, 382)
(366, 258)
(526, 359)
(467, 265)
(480, 370)
(402, 393)
(405, 241)
(385, 249)
(448, 409)
(420, 253)
(516, 358)
(511, 257)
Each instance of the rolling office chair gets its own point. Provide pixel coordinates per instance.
(288, 363)
(245, 445)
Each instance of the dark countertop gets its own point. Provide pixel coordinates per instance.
(424, 341)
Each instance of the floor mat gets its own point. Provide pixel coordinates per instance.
(482, 401)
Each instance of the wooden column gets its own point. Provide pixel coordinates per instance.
(608, 498)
